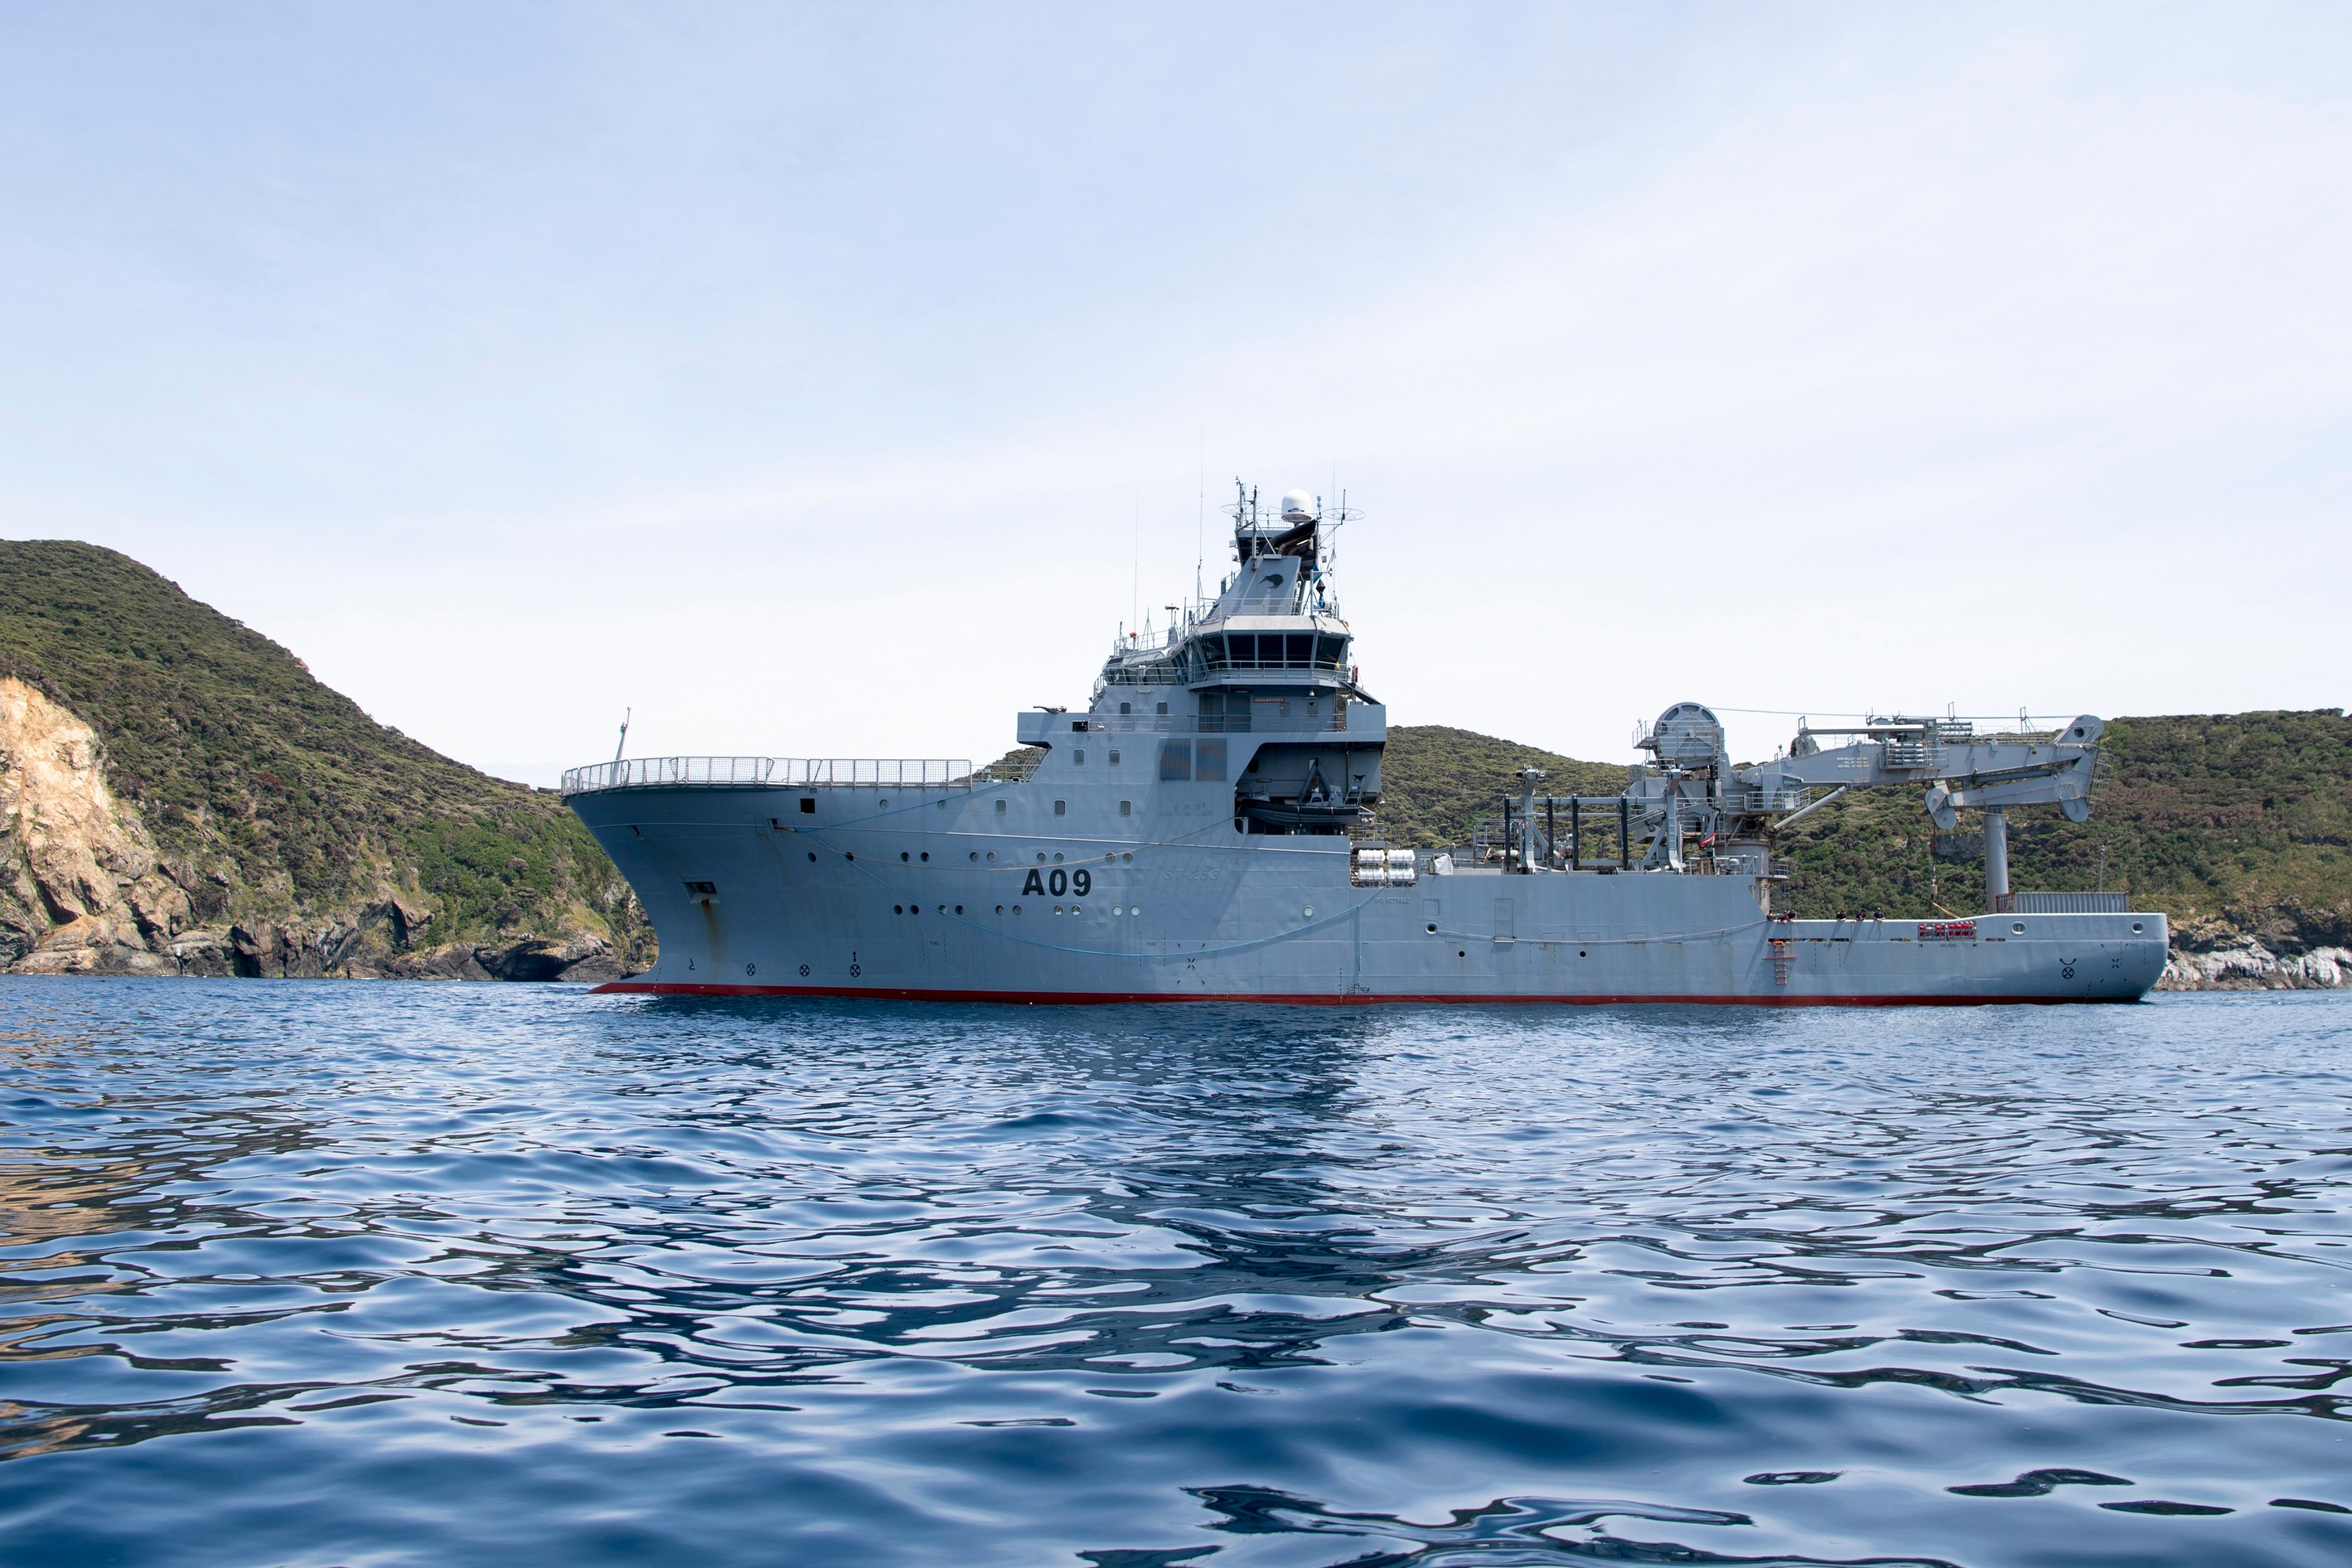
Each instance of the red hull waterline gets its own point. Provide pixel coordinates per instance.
(1099, 998)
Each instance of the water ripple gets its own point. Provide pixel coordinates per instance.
(320, 1273)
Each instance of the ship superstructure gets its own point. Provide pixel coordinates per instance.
(1208, 826)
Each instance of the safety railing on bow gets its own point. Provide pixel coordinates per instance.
(772, 772)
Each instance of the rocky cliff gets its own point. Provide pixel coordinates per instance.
(179, 796)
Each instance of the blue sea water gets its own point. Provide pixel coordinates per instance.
(314, 1274)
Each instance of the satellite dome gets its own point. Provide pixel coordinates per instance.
(1298, 506)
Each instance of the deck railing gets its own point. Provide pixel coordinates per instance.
(771, 772)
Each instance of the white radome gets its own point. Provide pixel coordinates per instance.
(1298, 506)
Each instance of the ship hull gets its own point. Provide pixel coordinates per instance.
(985, 894)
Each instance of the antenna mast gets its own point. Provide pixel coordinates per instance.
(1201, 522)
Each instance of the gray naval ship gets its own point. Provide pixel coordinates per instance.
(1208, 826)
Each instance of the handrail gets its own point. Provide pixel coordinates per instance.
(771, 772)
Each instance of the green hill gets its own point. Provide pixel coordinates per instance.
(308, 838)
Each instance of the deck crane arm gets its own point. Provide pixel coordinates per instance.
(1961, 769)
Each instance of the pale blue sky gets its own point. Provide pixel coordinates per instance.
(821, 381)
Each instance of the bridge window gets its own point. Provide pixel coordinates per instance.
(1273, 651)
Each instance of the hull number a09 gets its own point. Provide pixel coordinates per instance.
(1056, 883)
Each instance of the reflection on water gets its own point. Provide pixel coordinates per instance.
(320, 1273)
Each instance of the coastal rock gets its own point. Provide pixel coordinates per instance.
(77, 888)
(542, 958)
(2247, 964)
(204, 953)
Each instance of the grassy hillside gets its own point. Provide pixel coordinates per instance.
(275, 799)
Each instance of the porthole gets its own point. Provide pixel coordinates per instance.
(959, 909)
(991, 854)
(1581, 954)
(1016, 909)
(811, 856)
(1058, 908)
(1057, 857)
(896, 911)
(926, 854)
(1128, 859)
(1041, 856)
(975, 853)
(1133, 910)
(2017, 928)
(904, 856)
(2137, 928)
(1308, 913)
(1433, 927)
(1461, 955)
(849, 856)
(1077, 909)
(1000, 908)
